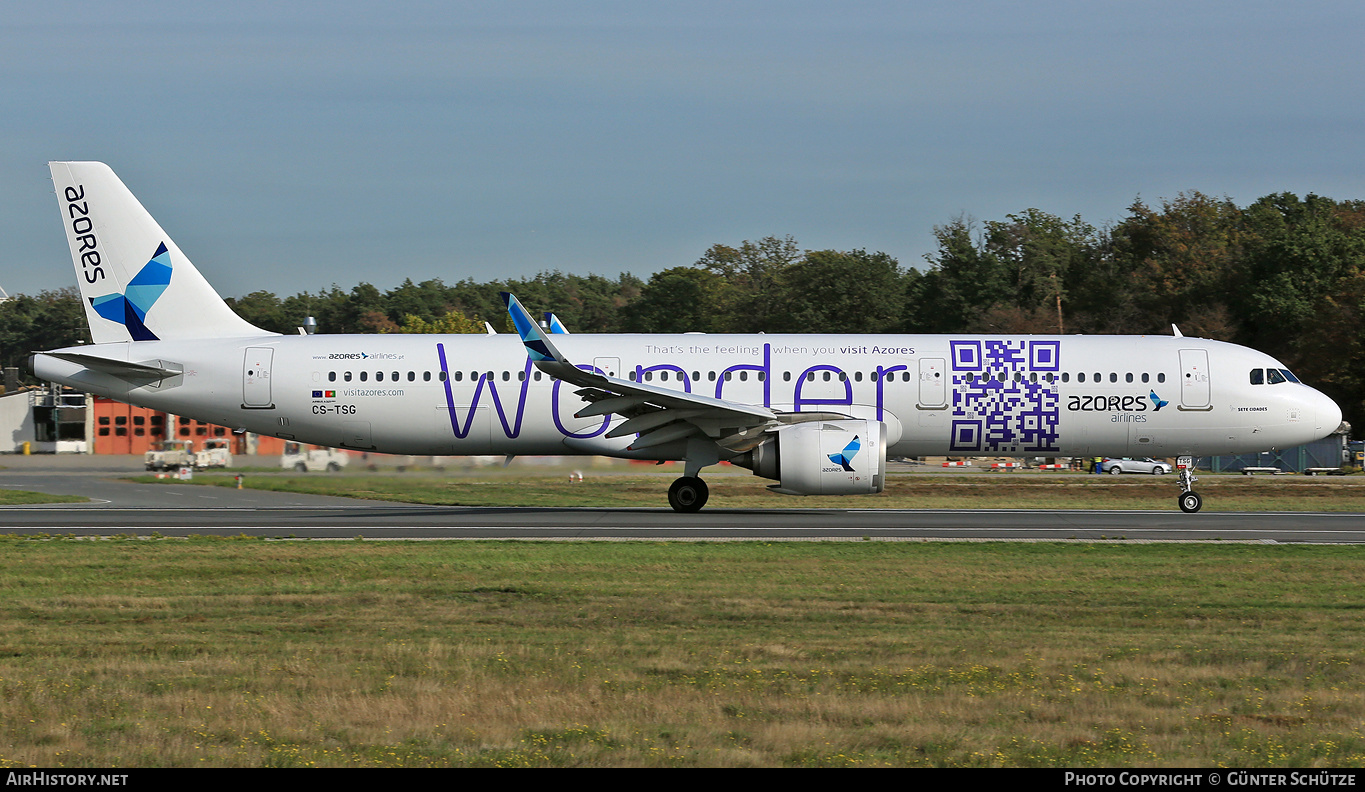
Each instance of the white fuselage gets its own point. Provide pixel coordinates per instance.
(943, 394)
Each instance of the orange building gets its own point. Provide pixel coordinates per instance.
(124, 429)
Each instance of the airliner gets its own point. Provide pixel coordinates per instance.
(818, 414)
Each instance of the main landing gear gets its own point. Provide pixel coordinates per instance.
(1189, 500)
(688, 494)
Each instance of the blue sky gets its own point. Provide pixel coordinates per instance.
(287, 147)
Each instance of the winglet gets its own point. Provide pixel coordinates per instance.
(556, 327)
(537, 345)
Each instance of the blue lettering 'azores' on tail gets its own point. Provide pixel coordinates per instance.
(130, 308)
(850, 451)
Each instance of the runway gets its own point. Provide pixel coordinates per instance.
(120, 507)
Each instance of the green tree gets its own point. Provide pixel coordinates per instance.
(677, 300)
(452, 322)
(1183, 263)
(51, 320)
(830, 291)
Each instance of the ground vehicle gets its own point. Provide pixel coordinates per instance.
(214, 455)
(170, 454)
(306, 458)
(1143, 465)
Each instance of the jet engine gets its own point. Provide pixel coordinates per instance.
(842, 457)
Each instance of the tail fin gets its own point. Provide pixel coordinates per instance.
(135, 283)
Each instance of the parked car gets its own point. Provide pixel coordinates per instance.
(1144, 465)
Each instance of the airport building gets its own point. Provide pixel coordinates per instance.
(45, 420)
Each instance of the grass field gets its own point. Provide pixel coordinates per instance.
(248, 652)
(24, 497)
(735, 491)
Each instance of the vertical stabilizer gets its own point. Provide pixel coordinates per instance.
(135, 283)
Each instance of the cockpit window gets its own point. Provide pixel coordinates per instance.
(1258, 376)
(1289, 375)
(1273, 376)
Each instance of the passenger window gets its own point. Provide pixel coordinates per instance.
(379, 376)
(762, 376)
(507, 376)
(826, 376)
(905, 376)
(459, 375)
(857, 376)
(346, 376)
(1161, 377)
(1066, 376)
(696, 376)
(1144, 376)
(412, 376)
(786, 376)
(395, 376)
(537, 375)
(364, 376)
(663, 376)
(810, 376)
(1128, 377)
(632, 376)
(743, 376)
(426, 376)
(331, 376)
(1273, 376)
(1080, 377)
(1113, 377)
(729, 375)
(1258, 376)
(441, 376)
(843, 377)
(521, 376)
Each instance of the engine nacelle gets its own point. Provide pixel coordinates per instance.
(845, 457)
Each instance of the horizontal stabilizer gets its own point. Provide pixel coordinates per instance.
(136, 372)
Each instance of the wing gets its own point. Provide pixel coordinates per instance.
(659, 415)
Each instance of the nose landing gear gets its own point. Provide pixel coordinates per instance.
(1189, 500)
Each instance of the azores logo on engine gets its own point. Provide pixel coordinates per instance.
(846, 456)
(131, 306)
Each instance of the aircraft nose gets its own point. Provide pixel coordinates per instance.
(1328, 414)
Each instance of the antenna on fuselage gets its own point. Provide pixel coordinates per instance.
(1175, 331)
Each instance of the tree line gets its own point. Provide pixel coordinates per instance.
(1285, 275)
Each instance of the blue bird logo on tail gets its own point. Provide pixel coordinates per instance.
(130, 308)
(850, 451)
(1158, 401)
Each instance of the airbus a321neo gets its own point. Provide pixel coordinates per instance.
(818, 414)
